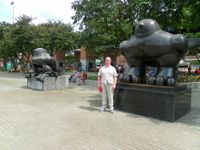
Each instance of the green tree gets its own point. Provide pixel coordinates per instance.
(55, 36)
(23, 36)
(108, 22)
(4, 28)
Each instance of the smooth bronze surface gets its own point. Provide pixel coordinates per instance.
(153, 54)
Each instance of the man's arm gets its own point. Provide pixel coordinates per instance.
(114, 79)
(99, 80)
(114, 82)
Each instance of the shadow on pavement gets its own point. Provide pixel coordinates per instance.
(13, 75)
(89, 108)
(93, 103)
(24, 87)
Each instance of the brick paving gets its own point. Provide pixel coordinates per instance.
(69, 119)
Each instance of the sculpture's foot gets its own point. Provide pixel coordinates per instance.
(151, 80)
(133, 75)
(165, 77)
(122, 78)
(135, 79)
(28, 76)
(129, 79)
(160, 80)
(40, 76)
(126, 79)
(171, 81)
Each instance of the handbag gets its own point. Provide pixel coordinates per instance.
(99, 89)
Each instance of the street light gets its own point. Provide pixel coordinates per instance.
(12, 3)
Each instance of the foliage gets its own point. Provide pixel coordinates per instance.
(188, 78)
(194, 52)
(106, 23)
(54, 36)
(195, 62)
(23, 36)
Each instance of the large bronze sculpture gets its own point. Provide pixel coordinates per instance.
(44, 65)
(153, 55)
(153, 47)
(48, 73)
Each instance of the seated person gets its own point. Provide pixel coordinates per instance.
(84, 77)
(74, 76)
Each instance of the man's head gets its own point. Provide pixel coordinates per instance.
(107, 61)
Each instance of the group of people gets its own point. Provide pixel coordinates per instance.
(78, 77)
(196, 71)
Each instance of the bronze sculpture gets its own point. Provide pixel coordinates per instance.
(44, 65)
(155, 48)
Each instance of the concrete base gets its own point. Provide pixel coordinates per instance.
(49, 83)
(161, 102)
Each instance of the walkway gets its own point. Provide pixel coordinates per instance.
(69, 119)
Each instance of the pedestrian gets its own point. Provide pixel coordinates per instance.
(84, 77)
(107, 79)
(189, 70)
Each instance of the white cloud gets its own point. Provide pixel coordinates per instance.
(41, 10)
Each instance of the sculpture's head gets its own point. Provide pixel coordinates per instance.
(146, 27)
(40, 53)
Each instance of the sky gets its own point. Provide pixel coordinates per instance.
(40, 10)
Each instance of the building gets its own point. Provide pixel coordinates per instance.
(87, 60)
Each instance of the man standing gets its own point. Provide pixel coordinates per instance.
(107, 79)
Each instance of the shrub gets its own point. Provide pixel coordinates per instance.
(92, 77)
(188, 78)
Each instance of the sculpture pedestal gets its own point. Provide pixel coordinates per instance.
(160, 102)
(49, 83)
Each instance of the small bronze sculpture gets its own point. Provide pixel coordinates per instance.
(45, 65)
(157, 49)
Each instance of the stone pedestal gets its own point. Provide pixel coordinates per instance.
(161, 102)
(49, 83)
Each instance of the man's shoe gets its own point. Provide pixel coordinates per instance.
(101, 109)
(112, 110)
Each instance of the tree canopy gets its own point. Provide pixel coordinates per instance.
(23, 36)
(108, 22)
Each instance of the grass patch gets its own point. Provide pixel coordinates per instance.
(92, 77)
(195, 62)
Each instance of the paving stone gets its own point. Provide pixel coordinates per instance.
(69, 119)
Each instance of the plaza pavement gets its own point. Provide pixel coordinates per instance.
(69, 119)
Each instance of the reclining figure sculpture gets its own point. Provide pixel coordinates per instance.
(153, 47)
(44, 65)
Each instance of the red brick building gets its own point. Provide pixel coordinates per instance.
(87, 59)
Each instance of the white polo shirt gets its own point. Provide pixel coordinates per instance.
(107, 74)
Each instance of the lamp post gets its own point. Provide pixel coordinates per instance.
(12, 3)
